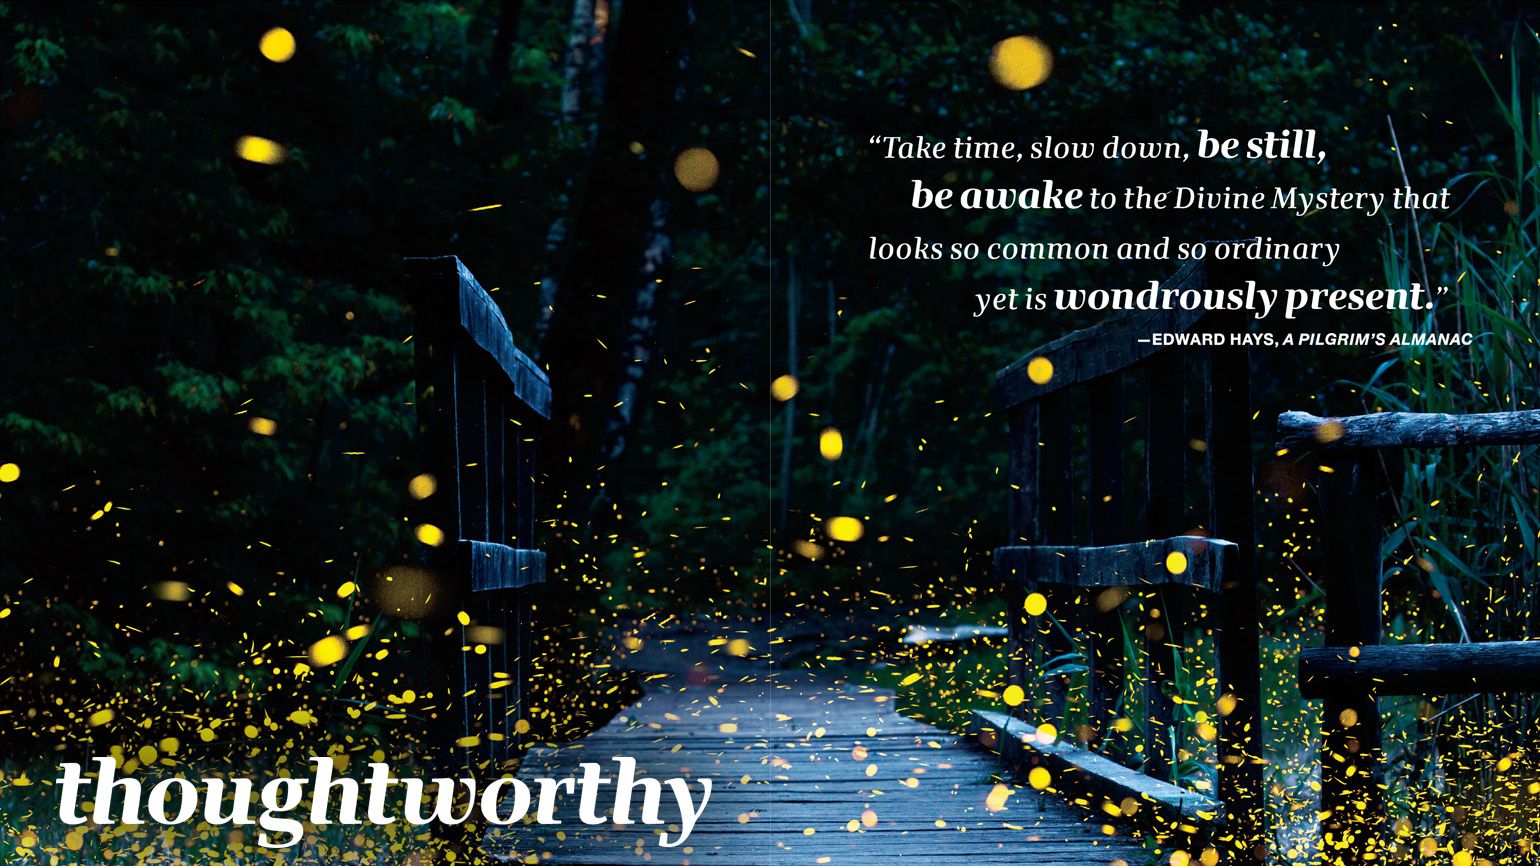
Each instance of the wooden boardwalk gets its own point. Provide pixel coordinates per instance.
(806, 772)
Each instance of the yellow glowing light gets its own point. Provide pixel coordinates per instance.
(1040, 371)
(845, 528)
(1040, 778)
(1013, 696)
(171, 590)
(1176, 562)
(868, 819)
(784, 388)
(696, 169)
(728, 727)
(485, 635)
(1047, 733)
(1226, 704)
(1020, 62)
(262, 426)
(808, 549)
(1329, 431)
(1037, 604)
(328, 651)
(831, 444)
(277, 45)
(430, 535)
(9, 472)
(1348, 717)
(347, 589)
(738, 647)
(995, 802)
(101, 717)
(254, 148)
(235, 588)
(422, 486)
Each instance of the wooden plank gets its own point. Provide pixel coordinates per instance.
(1104, 348)
(1145, 563)
(1075, 769)
(1301, 430)
(1228, 438)
(1351, 799)
(805, 768)
(1421, 669)
(480, 319)
(495, 566)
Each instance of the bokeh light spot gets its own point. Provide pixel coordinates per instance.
(254, 148)
(845, 528)
(1020, 62)
(328, 651)
(831, 444)
(422, 486)
(277, 45)
(1037, 604)
(784, 388)
(696, 169)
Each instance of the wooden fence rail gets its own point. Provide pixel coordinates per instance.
(1353, 668)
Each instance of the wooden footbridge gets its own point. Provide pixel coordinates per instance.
(807, 770)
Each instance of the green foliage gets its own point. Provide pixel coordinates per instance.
(1462, 556)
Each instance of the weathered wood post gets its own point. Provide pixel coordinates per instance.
(1024, 529)
(1231, 487)
(1165, 473)
(1351, 802)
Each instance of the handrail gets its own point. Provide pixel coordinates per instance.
(1407, 430)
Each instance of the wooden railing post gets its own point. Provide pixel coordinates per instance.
(1165, 444)
(1056, 522)
(1105, 526)
(1024, 529)
(1351, 801)
(1238, 650)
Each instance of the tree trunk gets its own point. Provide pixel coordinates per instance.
(789, 417)
(641, 328)
(600, 334)
(582, 72)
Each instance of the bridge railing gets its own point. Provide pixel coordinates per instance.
(481, 407)
(1131, 517)
(1353, 668)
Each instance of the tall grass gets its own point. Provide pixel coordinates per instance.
(1462, 555)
